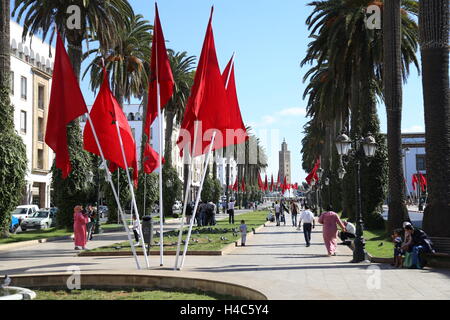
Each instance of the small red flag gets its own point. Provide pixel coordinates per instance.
(66, 104)
(260, 183)
(313, 175)
(271, 183)
(243, 184)
(236, 185)
(423, 181)
(266, 186)
(105, 113)
(414, 181)
(151, 159)
(160, 72)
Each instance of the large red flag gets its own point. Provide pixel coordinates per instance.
(66, 104)
(235, 123)
(151, 159)
(313, 175)
(207, 103)
(105, 113)
(160, 73)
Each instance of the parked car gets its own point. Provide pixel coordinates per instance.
(102, 211)
(15, 223)
(42, 219)
(25, 211)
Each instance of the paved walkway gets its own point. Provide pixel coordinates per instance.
(275, 262)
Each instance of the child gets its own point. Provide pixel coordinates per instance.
(135, 230)
(243, 229)
(398, 252)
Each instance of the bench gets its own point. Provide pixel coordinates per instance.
(441, 257)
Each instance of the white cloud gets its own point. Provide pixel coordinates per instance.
(414, 129)
(293, 112)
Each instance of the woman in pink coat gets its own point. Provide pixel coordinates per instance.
(330, 220)
(79, 228)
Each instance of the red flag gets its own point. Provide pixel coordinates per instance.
(236, 185)
(266, 186)
(243, 184)
(423, 181)
(271, 183)
(260, 183)
(278, 180)
(105, 113)
(66, 104)
(235, 122)
(208, 101)
(296, 186)
(414, 181)
(313, 175)
(151, 159)
(160, 73)
(285, 185)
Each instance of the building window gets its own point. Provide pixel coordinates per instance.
(41, 97)
(40, 159)
(23, 88)
(12, 83)
(23, 122)
(420, 162)
(41, 129)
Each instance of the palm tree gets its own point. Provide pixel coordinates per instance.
(348, 69)
(182, 69)
(393, 100)
(5, 61)
(127, 61)
(434, 34)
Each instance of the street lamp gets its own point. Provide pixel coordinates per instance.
(360, 147)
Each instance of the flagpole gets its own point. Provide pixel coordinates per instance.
(186, 196)
(161, 141)
(133, 198)
(108, 177)
(205, 170)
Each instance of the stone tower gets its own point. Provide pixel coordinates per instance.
(285, 163)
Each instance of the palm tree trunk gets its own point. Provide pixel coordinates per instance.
(434, 34)
(144, 137)
(168, 136)
(5, 60)
(393, 100)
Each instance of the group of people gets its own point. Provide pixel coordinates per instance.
(84, 221)
(206, 213)
(409, 243)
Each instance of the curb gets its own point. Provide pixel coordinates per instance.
(19, 244)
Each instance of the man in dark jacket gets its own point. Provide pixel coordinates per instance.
(418, 243)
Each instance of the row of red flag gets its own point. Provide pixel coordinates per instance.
(264, 186)
(213, 101)
(419, 179)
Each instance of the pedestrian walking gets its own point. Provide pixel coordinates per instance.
(189, 211)
(231, 211)
(277, 212)
(243, 230)
(80, 220)
(330, 220)
(294, 213)
(283, 209)
(136, 230)
(92, 214)
(308, 224)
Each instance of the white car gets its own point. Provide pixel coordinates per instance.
(42, 219)
(23, 212)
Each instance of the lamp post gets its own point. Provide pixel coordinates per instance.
(360, 148)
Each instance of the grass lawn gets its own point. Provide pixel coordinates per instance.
(211, 238)
(373, 241)
(36, 235)
(131, 294)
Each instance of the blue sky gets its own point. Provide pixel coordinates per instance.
(270, 39)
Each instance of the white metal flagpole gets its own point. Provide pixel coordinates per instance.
(186, 196)
(198, 198)
(133, 198)
(119, 206)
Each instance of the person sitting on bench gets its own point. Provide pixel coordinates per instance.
(347, 236)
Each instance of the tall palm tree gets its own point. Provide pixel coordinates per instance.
(182, 69)
(5, 61)
(434, 33)
(127, 61)
(393, 100)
